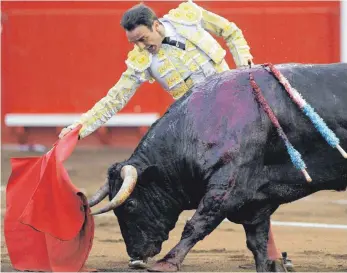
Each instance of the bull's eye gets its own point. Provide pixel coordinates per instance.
(131, 204)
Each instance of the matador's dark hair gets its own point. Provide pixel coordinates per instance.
(138, 15)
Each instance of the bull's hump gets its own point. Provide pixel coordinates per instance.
(223, 105)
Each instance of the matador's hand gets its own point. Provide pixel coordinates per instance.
(64, 132)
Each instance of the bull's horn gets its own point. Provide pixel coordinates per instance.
(129, 175)
(99, 195)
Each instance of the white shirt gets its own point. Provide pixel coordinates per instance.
(198, 76)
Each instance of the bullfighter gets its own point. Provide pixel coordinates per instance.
(178, 51)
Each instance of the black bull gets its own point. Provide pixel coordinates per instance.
(215, 150)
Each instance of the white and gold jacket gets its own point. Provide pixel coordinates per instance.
(176, 70)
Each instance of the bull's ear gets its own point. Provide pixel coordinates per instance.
(150, 174)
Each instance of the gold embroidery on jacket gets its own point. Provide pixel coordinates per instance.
(190, 46)
(221, 67)
(206, 43)
(186, 59)
(200, 59)
(186, 13)
(139, 60)
(181, 89)
(165, 68)
(178, 53)
(161, 55)
(173, 79)
(232, 35)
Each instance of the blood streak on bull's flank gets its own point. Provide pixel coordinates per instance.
(215, 120)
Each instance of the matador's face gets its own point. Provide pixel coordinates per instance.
(146, 38)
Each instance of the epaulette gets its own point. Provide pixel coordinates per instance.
(186, 13)
(139, 60)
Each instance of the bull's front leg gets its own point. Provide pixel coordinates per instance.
(206, 218)
(257, 238)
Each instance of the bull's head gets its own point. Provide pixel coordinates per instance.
(146, 212)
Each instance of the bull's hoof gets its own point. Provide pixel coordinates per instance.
(137, 264)
(163, 266)
(270, 266)
(287, 263)
(277, 266)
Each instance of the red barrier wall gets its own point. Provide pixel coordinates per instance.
(61, 57)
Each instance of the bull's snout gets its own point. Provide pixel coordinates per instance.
(147, 252)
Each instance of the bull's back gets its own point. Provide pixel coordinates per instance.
(233, 127)
(222, 107)
(226, 123)
(323, 86)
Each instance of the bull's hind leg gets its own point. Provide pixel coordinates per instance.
(257, 238)
(206, 218)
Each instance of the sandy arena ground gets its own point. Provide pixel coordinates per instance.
(312, 249)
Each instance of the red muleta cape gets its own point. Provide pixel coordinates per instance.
(48, 226)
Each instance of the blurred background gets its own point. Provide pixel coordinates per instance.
(59, 58)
